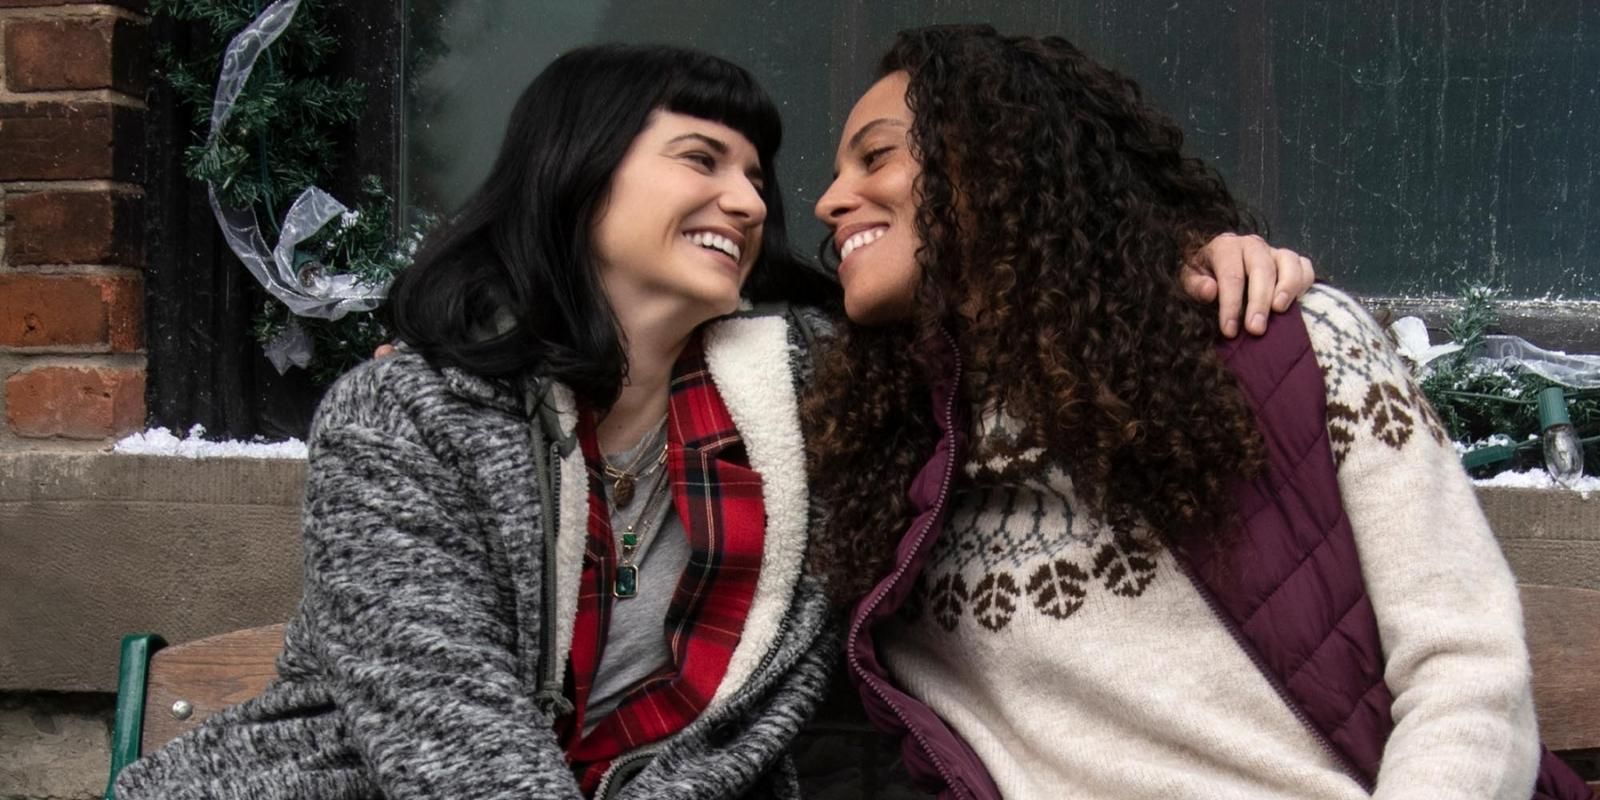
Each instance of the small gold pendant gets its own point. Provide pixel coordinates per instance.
(622, 491)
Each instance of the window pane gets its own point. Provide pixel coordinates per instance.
(1411, 149)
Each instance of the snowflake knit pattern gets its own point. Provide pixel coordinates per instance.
(1080, 661)
(1018, 540)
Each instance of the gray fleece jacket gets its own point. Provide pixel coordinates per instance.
(445, 521)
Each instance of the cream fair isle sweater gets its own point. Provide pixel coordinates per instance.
(1082, 664)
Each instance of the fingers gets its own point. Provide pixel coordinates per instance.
(383, 351)
(1289, 269)
(1249, 279)
(1295, 275)
(1228, 266)
(1197, 284)
(1265, 276)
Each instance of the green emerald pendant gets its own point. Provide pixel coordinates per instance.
(627, 581)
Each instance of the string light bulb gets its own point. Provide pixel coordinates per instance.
(1563, 453)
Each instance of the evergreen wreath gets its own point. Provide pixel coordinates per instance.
(285, 134)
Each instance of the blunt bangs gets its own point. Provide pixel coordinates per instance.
(710, 88)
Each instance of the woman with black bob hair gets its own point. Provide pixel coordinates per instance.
(511, 248)
(556, 547)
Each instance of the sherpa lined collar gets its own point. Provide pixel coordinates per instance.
(749, 359)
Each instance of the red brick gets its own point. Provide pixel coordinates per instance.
(131, 5)
(53, 311)
(75, 402)
(75, 53)
(99, 227)
(70, 141)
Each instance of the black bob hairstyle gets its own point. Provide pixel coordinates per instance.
(520, 246)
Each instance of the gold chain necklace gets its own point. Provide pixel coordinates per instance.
(623, 479)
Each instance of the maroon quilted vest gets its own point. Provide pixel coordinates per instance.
(1289, 584)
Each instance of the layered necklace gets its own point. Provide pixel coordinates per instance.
(623, 479)
(634, 534)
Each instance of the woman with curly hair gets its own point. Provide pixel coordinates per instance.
(1115, 557)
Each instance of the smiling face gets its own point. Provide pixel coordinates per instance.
(682, 221)
(871, 206)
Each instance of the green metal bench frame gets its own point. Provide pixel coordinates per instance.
(127, 727)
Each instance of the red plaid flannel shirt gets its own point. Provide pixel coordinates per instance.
(718, 498)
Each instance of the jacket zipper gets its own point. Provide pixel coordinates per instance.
(777, 644)
(547, 694)
(604, 790)
(549, 671)
(1272, 678)
(899, 572)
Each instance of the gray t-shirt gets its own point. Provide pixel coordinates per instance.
(636, 644)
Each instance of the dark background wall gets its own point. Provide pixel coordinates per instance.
(1411, 147)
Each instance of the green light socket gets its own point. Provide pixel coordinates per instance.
(1553, 408)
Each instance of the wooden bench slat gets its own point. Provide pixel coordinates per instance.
(211, 674)
(1563, 629)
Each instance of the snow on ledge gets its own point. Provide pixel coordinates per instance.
(161, 442)
(1539, 479)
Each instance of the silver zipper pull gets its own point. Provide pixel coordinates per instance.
(553, 703)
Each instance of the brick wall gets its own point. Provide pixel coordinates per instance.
(72, 82)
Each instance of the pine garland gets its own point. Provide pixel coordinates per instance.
(285, 134)
(1498, 406)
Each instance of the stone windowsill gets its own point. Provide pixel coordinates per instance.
(97, 545)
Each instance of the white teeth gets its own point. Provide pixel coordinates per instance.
(861, 240)
(715, 242)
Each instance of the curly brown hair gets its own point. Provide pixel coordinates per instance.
(1055, 210)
